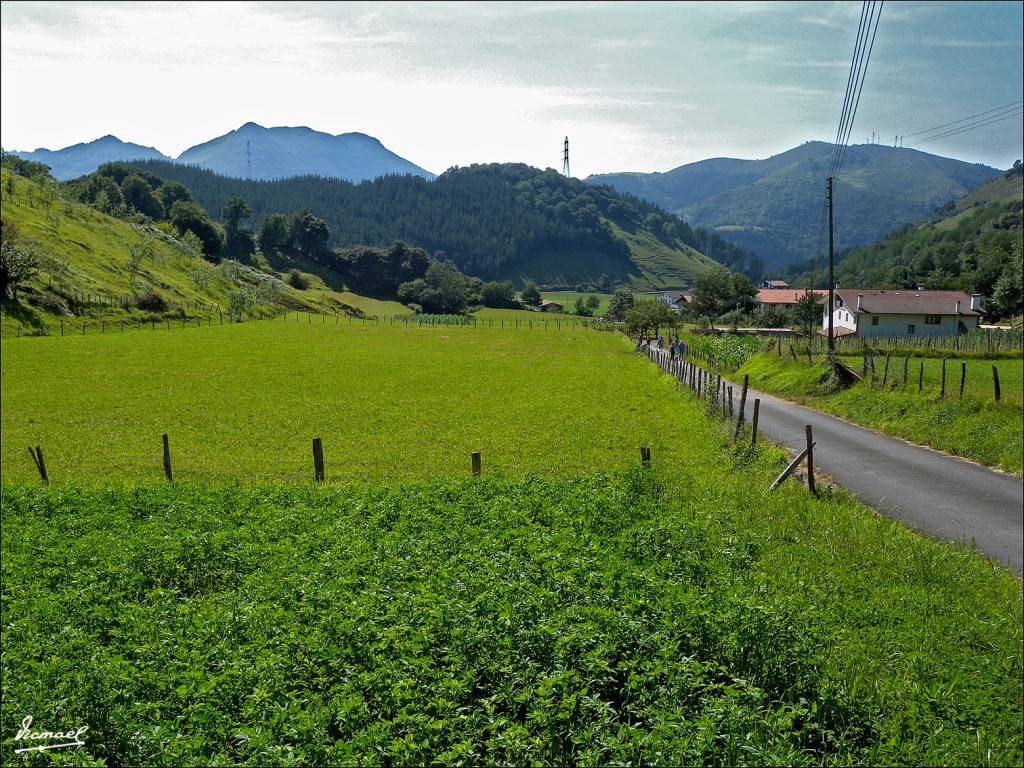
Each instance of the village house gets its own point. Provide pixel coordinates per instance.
(549, 306)
(903, 313)
(773, 285)
(785, 297)
(676, 300)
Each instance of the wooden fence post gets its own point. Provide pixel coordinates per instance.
(995, 381)
(753, 422)
(963, 377)
(942, 388)
(920, 377)
(37, 457)
(475, 459)
(810, 461)
(885, 373)
(645, 455)
(167, 459)
(318, 459)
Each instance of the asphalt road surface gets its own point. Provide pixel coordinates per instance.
(936, 494)
(931, 492)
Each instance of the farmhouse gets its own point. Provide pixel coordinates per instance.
(549, 306)
(676, 300)
(771, 285)
(785, 297)
(903, 312)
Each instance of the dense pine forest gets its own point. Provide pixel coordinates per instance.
(496, 221)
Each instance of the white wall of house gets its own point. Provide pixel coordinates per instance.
(899, 325)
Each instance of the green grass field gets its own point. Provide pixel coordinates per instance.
(389, 402)
(566, 607)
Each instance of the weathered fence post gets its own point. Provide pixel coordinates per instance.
(318, 459)
(942, 388)
(645, 455)
(810, 461)
(753, 422)
(743, 407)
(885, 373)
(963, 377)
(167, 459)
(475, 459)
(995, 381)
(906, 364)
(920, 377)
(37, 457)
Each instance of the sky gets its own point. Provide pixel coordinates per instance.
(635, 86)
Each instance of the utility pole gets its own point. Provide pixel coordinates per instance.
(831, 279)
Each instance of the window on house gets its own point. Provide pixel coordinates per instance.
(874, 319)
(910, 328)
(932, 319)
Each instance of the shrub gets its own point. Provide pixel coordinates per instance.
(151, 301)
(298, 280)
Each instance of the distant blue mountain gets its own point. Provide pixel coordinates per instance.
(281, 153)
(252, 151)
(82, 159)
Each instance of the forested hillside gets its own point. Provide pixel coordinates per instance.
(496, 222)
(774, 207)
(974, 244)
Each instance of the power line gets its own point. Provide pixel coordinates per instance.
(1015, 104)
(1016, 112)
(871, 14)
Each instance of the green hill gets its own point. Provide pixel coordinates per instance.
(98, 269)
(496, 222)
(974, 244)
(773, 207)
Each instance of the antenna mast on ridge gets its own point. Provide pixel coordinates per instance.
(565, 158)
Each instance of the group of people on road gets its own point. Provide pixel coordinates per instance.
(674, 348)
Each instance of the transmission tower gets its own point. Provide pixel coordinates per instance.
(565, 158)
(248, 162)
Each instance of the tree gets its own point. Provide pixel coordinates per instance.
(648, 317)
(235, 210)
(169, 193)
(621, 303)
(309, 234)
(442, 290)
(138, 194)
(1008, 293)
(499, 295)
(807, 312)
(530, 295)
(581, 308)
(273, 237)
(18, 262)
(593, 302)
(189, 217)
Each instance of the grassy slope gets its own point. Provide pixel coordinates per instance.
(686, 614)
(86, 252)
(661, 266)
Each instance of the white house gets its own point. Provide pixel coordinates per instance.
(676, 300)
(903, 312)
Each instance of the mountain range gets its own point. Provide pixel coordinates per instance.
(250, 152)
(774, 208)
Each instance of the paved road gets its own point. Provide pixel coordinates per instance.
(936, 494)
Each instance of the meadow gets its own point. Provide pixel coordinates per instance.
(567, 607)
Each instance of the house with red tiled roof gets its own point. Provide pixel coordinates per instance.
(903, 312)
(786, 297)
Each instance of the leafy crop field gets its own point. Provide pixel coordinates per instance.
(568, 607)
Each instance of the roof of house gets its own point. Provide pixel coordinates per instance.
(785, 295)
(678, 295)
(908, 302)
(547, 303)
(776, 284)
